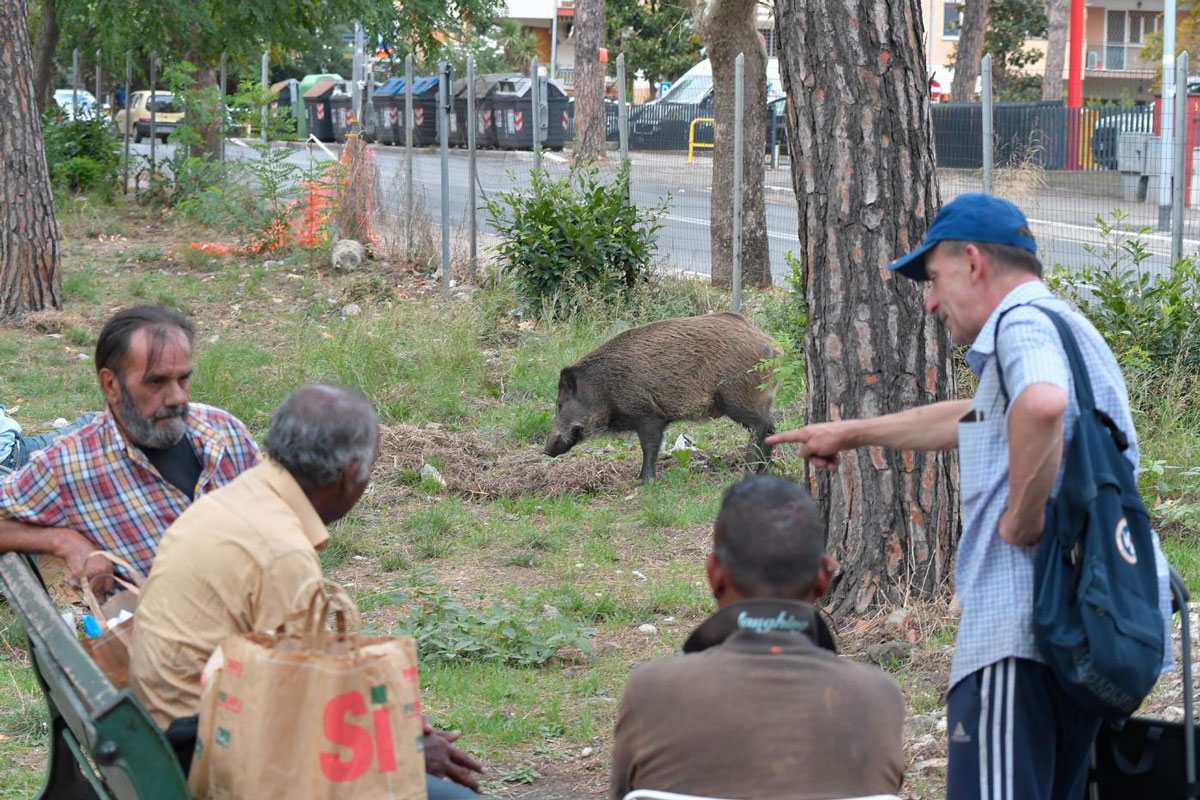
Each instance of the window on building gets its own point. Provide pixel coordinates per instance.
(1125, 34)
(951, 19)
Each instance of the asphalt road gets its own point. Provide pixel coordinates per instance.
(1063, 223)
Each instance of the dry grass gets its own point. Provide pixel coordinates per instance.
(475, 466)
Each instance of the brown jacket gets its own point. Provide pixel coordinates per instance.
(760, 707)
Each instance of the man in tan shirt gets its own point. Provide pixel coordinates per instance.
(760, 706)
(244, 559)
(235, 560)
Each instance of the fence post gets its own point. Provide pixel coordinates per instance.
(534, 102)
(357, 75)
(128, 81)
(408, 152)
(1179, 178)
(266, 109)
(474, 230)
(99, 87)
(153, 115)
(368, 127)
(443, 123)
(623, 124)
(74, 84)
(222, 106)
(985, 72)
(739, 113)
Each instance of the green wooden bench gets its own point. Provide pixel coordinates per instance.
(103, 742)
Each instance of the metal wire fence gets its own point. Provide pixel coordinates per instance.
(1065, 167)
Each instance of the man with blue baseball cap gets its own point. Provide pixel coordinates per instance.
(1013, 732)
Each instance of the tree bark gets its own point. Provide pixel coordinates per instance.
(1059, 13)
(29, 269)
(970, 51)
(204, 111)
(863, 173)
(589, 79)
(43, 53)
(727, 29)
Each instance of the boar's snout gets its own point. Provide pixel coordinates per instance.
(556, 445)
(561, 440)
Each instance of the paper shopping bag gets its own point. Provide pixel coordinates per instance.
(110, 650)
(313, 716)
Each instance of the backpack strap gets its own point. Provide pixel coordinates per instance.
(1079, 373)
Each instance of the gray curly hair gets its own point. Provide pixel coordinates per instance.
(320, 430)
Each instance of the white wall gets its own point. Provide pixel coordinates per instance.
(530, 9)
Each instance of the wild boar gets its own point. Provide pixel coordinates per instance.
(645, 378)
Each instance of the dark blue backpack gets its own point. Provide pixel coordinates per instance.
(1096, 617)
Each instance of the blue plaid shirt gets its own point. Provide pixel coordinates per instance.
(994, 579)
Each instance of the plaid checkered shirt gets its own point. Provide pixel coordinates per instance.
(994, 579)
(94, 482)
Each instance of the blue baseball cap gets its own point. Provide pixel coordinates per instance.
(973, 217)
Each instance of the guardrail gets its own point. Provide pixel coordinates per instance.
(692, 143)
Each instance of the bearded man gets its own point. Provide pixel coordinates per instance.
(116, 483)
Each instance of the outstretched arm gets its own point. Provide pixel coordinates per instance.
(931, 427)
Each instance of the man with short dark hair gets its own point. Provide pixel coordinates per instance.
(243, 559)
(116, 483)
(760, 705)
(1013, 732)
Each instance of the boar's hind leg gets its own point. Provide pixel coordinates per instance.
(650, 433)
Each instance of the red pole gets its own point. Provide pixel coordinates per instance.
(1075, 82)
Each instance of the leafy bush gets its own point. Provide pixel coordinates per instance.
(785, 318)
(573, 235)
(446, 631)
(80, 154)
(1148, 321)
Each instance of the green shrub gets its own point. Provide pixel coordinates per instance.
(1149, 322)
(785, 317)
(571, 237)
(81, 154)
(447, 631)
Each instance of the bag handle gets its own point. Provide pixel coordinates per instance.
(116, 560)
(89, 594)
(328, 596)
(1146, 760)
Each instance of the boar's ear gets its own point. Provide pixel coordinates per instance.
(568, 382)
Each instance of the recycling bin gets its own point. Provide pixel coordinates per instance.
(512, 102)
(285, 101)
(485, 122)
(341, 103)
(388, 105)
(306, 83)
(317, 111)
(425, 110)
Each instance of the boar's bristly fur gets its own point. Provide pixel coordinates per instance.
(645, 378)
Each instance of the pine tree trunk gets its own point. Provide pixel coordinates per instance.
(207, 120)
(863, 174)
(589, 79)
(970, 51)
(727, 29)
(1059, 12)
(43, 51)
(29, 279)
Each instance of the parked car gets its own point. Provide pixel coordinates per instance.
(167, 115)
(64, 100)
(664, 124)
(1109, 127)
